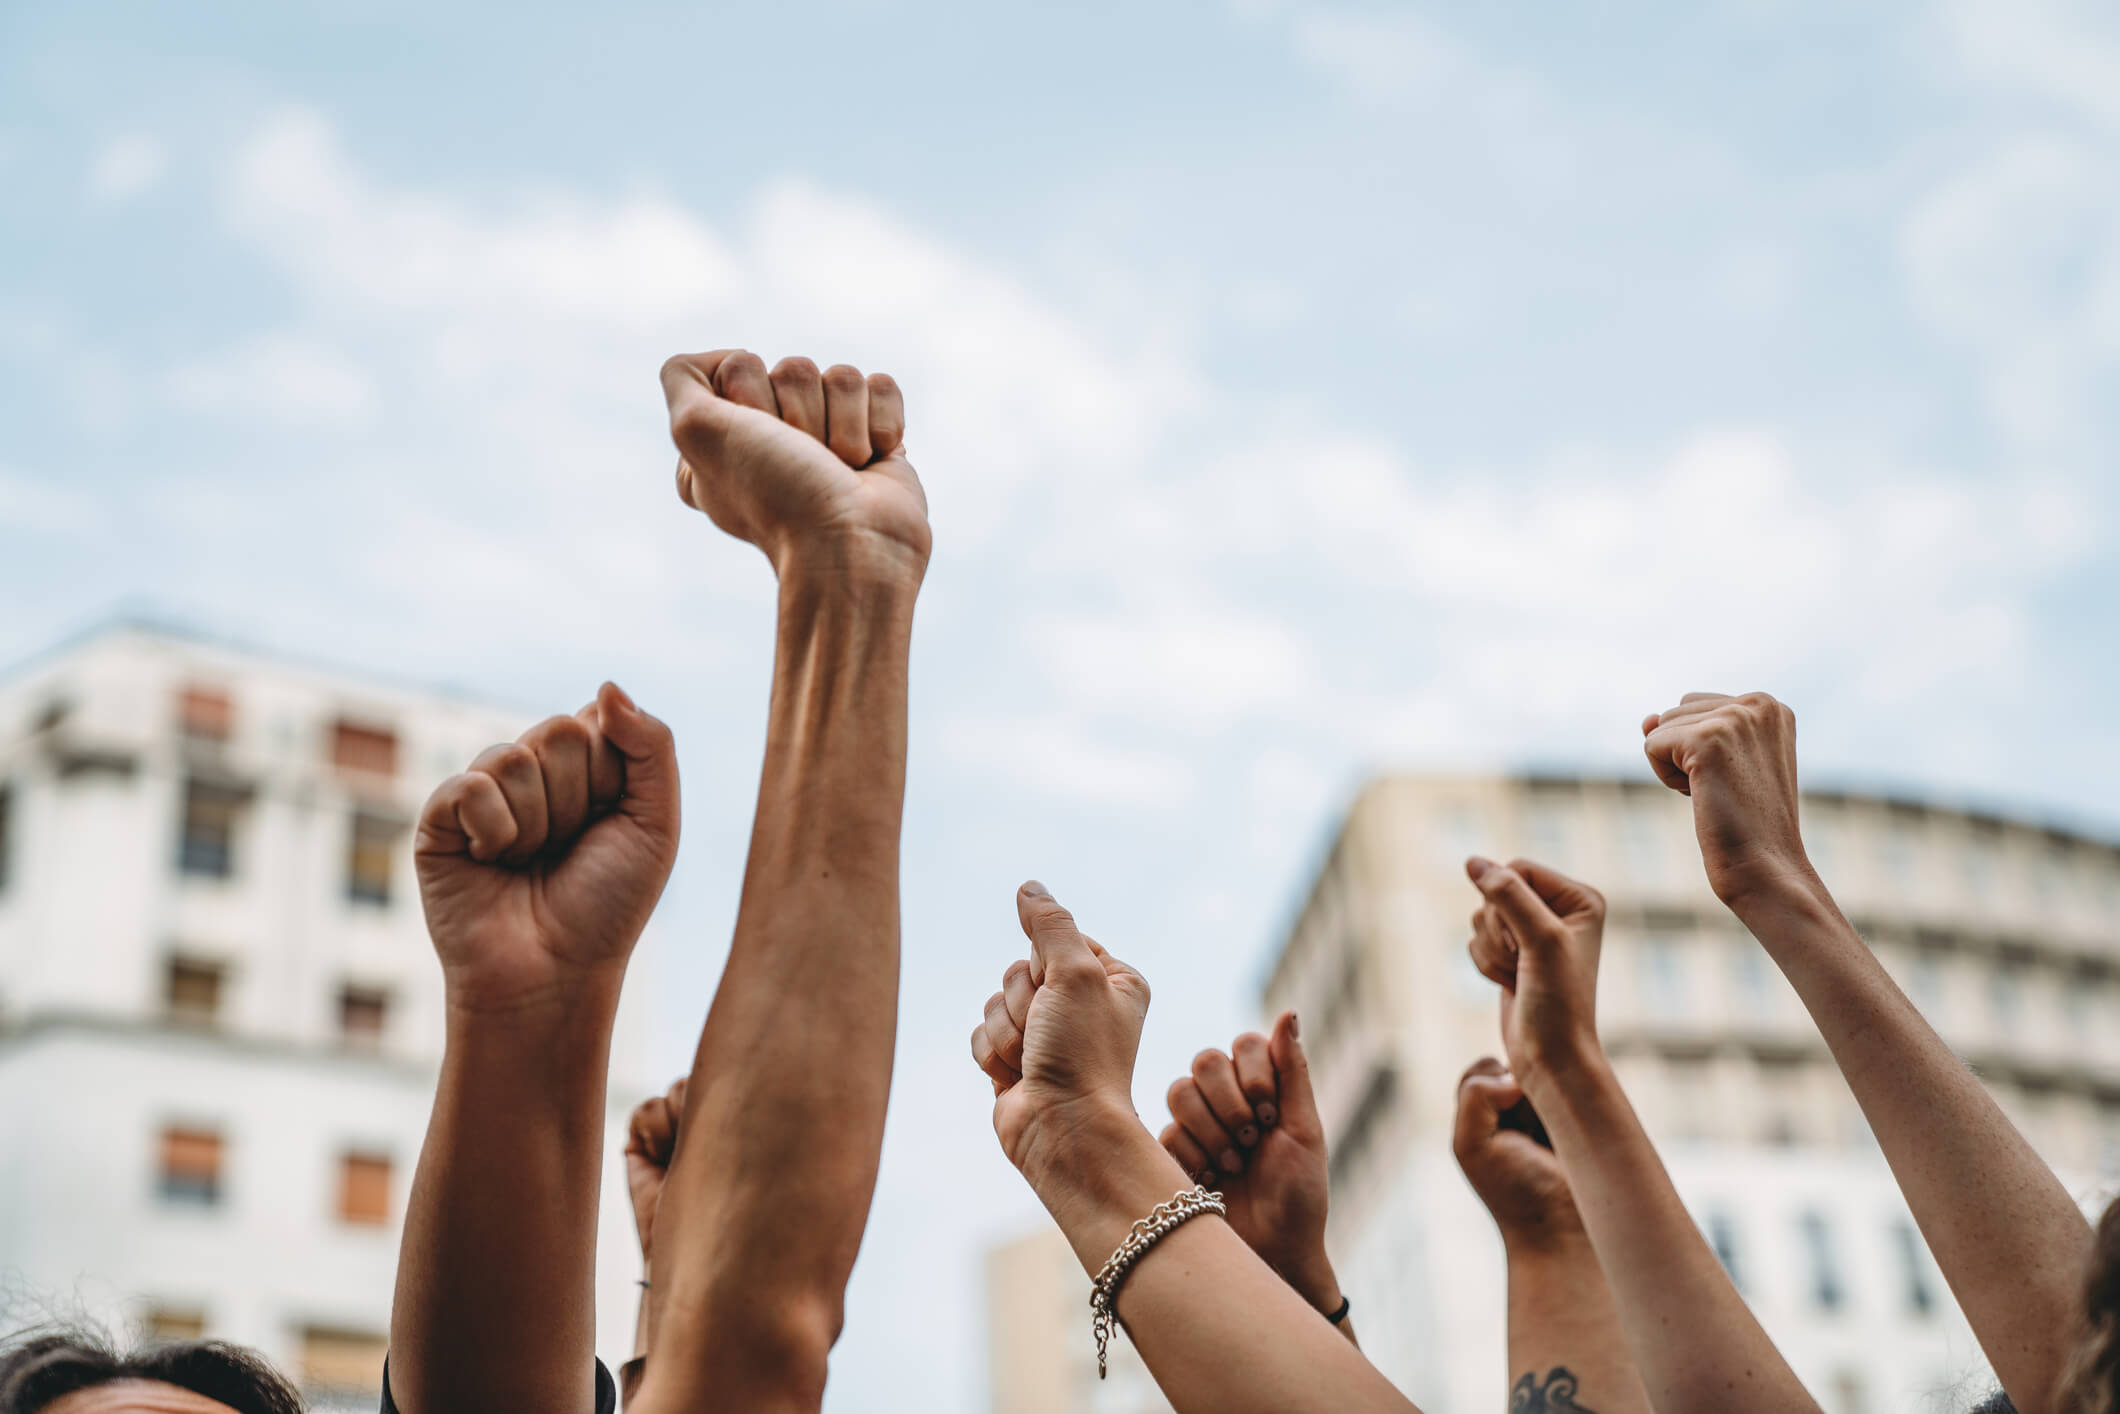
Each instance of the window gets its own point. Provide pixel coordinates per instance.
(2006, 994)
(360, 748)
(7, 808)
(364, 1012)
(208, 845)
(364, 1189)
(1660, 975)
(1748, 976)
(205, 714)
(1826, 1291)
(1643, 841)
(168, 1325)
(190, 1167)
(1722, 1236)
(340, 1365)
(372, 847)
(192, 990)
(1913, 1267)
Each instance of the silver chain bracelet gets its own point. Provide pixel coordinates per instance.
(1146, 1232)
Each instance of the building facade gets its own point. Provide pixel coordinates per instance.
(2005, 932)
(220, 1017)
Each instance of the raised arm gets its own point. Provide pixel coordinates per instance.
(538, 869)
(1221, 1333)
(763, 1210)
(1244, 1121)
(1567, 1351)
(2006, 1234)
(1694, 1342)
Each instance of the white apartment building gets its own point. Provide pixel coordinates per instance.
(2005, 932)
(220, 1017)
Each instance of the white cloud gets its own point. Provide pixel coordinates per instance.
(1383, 59)
(2065, 51)
(275, 378)
(42, 509)
(124, 169)
(638, 261)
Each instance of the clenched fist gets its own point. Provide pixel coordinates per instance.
(1058, 1040)
(1245, 1121)
(798, 461)
(1736, 757)
(539, 866)
(1538, 936)
(1518, 1178)
(651, 1142)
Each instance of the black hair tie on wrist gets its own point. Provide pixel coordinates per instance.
(1341, 1314)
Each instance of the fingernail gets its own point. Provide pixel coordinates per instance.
(1267, 1113)
(1231, 1161)
(1205, 1178)
(1477, 866)
(1036, 889)
(623, 700)
(1248, 1136)
(1295, 1027)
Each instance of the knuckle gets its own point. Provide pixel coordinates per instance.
(844, 378)
(1016, 969)
(1179, 1089)
(742, 364)
(883, 385)
(1206, 1061)
(795, 369)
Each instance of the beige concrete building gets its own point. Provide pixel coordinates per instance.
(2004, 931)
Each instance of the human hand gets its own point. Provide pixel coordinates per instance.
(1538, 936)
(1245, 1121)
(1058, 1040)
(651, 1142)
(1736, 757)
(799, 462)
(1518, 1178)
(540, 865)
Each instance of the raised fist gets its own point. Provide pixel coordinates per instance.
(798, 461)
(1538, 936)
(1059, 1038)
(651, 1142)
(1518, 1178)
(539, 866)
(1736, 756)
(1245, 1121)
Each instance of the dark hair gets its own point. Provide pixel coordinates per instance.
(2092, 1385)
(37, 1368)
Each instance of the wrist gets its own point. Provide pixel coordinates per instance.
(564, 1003)
(1097, 1171)
(1313, 1279)
(1551, 1234)
(1553, 1075)
(1767, 882)
(865, 560)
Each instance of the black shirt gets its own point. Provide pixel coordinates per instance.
(606, 1392)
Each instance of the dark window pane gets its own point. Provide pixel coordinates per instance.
(207, 844)
(370, 853)
(190, 1169)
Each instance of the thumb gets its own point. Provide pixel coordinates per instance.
(1057, 945)
(700, 418)
(1299, 1105)
(651, 797)
(1517, 902)
(1484, 1092)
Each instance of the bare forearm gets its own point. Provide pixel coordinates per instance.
(2009, 1239)
(1217, 1327)
(495, 1305)
(777, 1153)
(1694, 1342)
(1564, 1330)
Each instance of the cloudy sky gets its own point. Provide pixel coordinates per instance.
(1301, 390)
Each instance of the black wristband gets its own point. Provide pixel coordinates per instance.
(1341, 1314)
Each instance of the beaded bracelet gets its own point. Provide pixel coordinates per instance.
(1145, 1233)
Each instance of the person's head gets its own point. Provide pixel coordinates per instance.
(2092, 1385)
(74, 1372)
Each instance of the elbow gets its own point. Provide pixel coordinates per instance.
(787, 1343)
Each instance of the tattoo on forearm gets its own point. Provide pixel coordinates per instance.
(1555, 1396)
